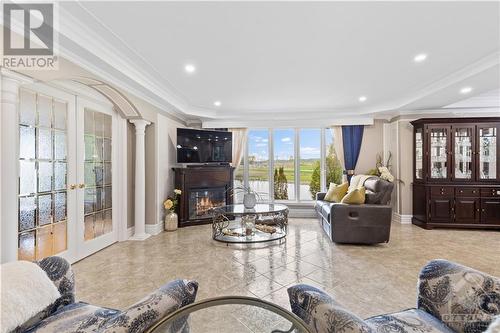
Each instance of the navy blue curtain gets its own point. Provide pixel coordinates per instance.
(352, 136)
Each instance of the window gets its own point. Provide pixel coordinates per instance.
(310, 163)
(258, 162)
(284, 164)
(288, 164)
(332, 163)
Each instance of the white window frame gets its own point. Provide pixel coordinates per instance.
(270, 152)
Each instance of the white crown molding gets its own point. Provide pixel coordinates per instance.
(147, 85)
(291, 122)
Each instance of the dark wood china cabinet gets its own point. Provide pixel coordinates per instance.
(456, 177)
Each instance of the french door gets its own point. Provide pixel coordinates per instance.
(66, 162)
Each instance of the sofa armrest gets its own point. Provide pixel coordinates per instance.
(148, 311)
(320, 195)
(321, 313)
(59, 271)
(463, 298)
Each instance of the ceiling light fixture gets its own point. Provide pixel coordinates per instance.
(217, 103)
(362, 99)
(465, 90)
(190, 68)
(420, 57)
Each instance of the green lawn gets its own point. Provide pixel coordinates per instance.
(260, 172)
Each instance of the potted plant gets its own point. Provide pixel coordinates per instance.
(170, 205)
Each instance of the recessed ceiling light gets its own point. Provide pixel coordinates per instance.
(217, 103)
(190, 68)
(362, 98)
(465, 90)
(420, 57)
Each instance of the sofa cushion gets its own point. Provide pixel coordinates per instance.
(336, 192)
(77, 317)
(26, 292)
(324, 208)
(409, 321)
(355, 197)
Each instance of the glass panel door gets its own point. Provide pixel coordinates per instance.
(438, 161)
(97, 174)
(42, 224)
(487, 144)
(419, 153)
(463, 154)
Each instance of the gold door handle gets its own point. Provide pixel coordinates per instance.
(81, 186)
(72, 186)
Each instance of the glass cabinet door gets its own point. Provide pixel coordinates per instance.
(463, 153)
(419, 153)
(438, 159)
(487, 144)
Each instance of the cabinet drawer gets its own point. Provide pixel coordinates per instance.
(441, 191)
(466, 192)
(493, 192)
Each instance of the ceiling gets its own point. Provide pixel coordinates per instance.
(289, 59)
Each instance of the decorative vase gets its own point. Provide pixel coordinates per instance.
(248, 224)
(249, 200)
(171, 220)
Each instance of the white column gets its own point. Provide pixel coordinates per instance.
(140, 180)
(9, 145)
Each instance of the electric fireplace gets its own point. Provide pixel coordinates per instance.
(203, 187)
(202, 200)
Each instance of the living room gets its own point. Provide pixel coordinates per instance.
(250, 166)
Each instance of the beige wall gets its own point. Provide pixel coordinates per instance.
(372, 144)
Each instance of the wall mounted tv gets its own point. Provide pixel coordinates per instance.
(200, 146)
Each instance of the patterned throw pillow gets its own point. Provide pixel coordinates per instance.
(355, 197)
(336, 192)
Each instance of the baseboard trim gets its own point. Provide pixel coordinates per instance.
(301, 212)
(402, 219)
(130, 232)
(154, 229)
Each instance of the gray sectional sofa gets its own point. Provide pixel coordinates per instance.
(368, 223)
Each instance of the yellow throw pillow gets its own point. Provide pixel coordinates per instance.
(355, 197)
(336, 192)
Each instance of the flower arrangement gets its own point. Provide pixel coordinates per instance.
(171, 203)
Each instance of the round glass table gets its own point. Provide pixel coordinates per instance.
(231, 314)
(237, 224)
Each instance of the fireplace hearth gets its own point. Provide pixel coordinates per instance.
(203, 188)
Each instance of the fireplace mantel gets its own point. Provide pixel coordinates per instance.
(198, 181)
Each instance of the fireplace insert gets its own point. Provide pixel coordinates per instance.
(202, 200)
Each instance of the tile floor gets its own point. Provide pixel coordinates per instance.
(368, 280)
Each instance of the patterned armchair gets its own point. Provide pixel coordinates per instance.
(67, 316)
(451, 298)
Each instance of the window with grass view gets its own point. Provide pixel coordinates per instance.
(258, 162)
(291, 150)
(310, 163)
(284, 164)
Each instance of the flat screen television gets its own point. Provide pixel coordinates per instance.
(200, 146)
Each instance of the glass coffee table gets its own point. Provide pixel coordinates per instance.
(263, 223)
(231, 314)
